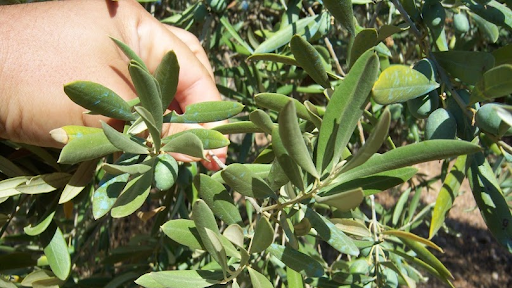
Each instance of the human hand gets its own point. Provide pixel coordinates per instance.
(46, 45)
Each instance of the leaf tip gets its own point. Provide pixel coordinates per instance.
(59, 135)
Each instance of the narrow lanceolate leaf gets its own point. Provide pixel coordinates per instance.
(205, 112)
(187, 143)
(148, 91)
(122, 141)
(399, 83)
(238, 127)
(263, 236)
(277, 102)
(129, 52)
(294, 279)
(344, 200)
(492, 11)
(258, 280)
(310, 60)
(8, 186)
(245, 182)
(372, 144)
(204, 219)
(56, 251)
(447, 194)
(496, 82)
(211, 139)
(130, 169)
(10, 169)
(408, 155)
(180, 279)
(331, 234)
(427, 256)
(167, 74)
(44, 183)
(343, 13)
(291, 136)
(231, 30)
(154, 130)
(133, 195)
(262, 120)
(364, 40)
(85, 147)
(220, 253)
(283, 36)
(490, 200)
(106, 195)
(413, 237)
(468, 66)
(218, 199)
(98, 99)
(235, 234)
(272, 57)
(184, 232)
(42, 225)
(296, 260)
(80, 179)
(344, 110)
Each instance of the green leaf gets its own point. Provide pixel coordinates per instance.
(149, 93)
(166, 172)
(5, 284)
(260, 170)
(8, 186)
(413, 237)
(10, 169)
(133, 195)
(150, 123)
(225, 22)
(343, 13)
(292, 140)
(218, 199)
(124, 278)
(263, 236)
(80, 179)
(283, 36)
(468, 66)
(204, 112)
(331, 234)
(167, 75)
(184, 232)
(130, 169)
(42, 225)
(86, 147)
(123, 141)
(56, 250)
(490, 200)
(245, 182)
(427, 256)
(186, 143)
(44, 183)
(352, 227)
(492, 11)
(235, 234)
(497, 82)
(408, 155)
(490, 31)
(35, 276)
(344, 110)
(447, 194)
(503, 55)
(258, 280)
(98, 99)
(296, 260)
(343, 200)
(262, 120)
(310, 60)
(129, 52)
(277, 102)
(219, 251)
(272, 57)
(364, 40)
(372, 144)
(210, 139)
(399, 83)
(106, 195)
(180, 279)
(238, 127)
(293, 279)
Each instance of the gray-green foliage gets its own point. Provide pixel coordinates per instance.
(264, 215)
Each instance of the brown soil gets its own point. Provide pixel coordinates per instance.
(471, 253)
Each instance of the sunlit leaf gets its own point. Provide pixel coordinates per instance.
(364, 40)
(344, 110)
(203, 112)
(496, 82)
(294, 279)
(352, 227)
(296, 260)
(184, 232)
(132, 169)
(292, 140)
(186, 143)
(238, 127)
(277, 102)
(129, 52)
(331, 234)
(218, 199)
(148, 91)
(245, 182)
(8, 186)
(490, 31)
(98, 99)
(151, 125)
(274, 58)
(56, 250)
(235, 234)
(262, 120)
(413, 237)
(180, 279)
(106, 195)
(427, 256)
(344, 200)
(40, 227)
(167, 74)
(343, 13)
(263, 236)
(123, 141)
(84, 147)
(204, 219)
(225, 22)
(492, 11)
(80, 179)
(468, 66)
(44, 183)
(399, 83)
(218, 249)
(258, 280)
(133, 196)
(36, 276)
(310, 60)
(210, 139)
